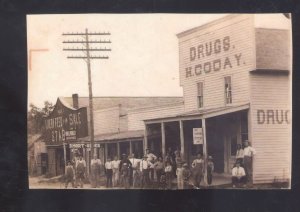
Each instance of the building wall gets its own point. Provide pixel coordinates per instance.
(235, 35)
(270, 129)
(272, 49)
(107, 120)
(136, 117)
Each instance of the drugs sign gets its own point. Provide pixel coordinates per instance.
(197, 136)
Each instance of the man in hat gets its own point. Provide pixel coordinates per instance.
(80, 171)
(210, 169)
(109, 172)
(115, 171)
(151, 158)
(69, 175)
(249, 152)
(134, 161)
(95, 171)
(197, 170)
(144, 167)
(125, 168)
(238, 175)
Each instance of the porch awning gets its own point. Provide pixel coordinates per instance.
(200, 114)
(112, 137)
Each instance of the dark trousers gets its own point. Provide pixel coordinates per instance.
(209, 178)
(248, 168)
(238, 181)
(145, 178)
(151, 170)
(158, 174)
(80, 179)
(108, 178)
(69, 180)
(197, 179)
(169, 177)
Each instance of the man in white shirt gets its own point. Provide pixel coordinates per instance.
(115, 170)
(151, 158)
(249, 152)
(239, 154)
(145, 167)
(80, 171)
(134, 161)
(108, 170)
(238, 175)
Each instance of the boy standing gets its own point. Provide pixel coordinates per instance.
(186, 173)
(179, 173)
(210, 169)
(69, 174)
(168, 171)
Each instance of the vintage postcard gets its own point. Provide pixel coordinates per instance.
(159, 101)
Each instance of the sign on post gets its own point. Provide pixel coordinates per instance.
(197, 136)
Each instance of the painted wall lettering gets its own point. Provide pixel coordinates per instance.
(213, 49)
(273, 116)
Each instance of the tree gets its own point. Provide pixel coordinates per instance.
(35, 117)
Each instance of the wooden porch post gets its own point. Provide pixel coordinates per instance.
(106, 152)
(118, 150)
(145, 139)
(181, 140)
(163, 139)
(130, 147)
(204, 151)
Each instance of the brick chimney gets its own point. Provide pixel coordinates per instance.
(75, 100)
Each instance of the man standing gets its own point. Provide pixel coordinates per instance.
(144, 167)
(249, 152)
(239, 154)
(95, 171)
(108, 172)
(134, 161)
(69, 175)
(125, 169)
(151, 159)
(115, 171)
(80, 171)
(197, 170)
(238, 175)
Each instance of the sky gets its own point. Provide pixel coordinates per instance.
(144, 60)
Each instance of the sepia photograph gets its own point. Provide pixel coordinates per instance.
(159, 101)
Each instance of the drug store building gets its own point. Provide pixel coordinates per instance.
(236, 81)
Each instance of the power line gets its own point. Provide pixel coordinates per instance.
(86, 42)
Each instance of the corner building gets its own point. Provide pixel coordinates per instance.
(236, 80)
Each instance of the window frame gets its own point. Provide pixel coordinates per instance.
(226, 96)
(198, 96)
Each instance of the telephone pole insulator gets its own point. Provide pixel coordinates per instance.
(86, 46)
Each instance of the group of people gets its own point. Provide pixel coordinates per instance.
(242, 171)
(151, 171)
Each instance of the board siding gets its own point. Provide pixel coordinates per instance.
(136, 117)
(242, 37)
(271, 141)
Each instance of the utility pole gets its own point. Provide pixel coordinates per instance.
(87, 41)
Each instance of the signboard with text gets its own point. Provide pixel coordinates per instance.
(65, 124)
(197, 136)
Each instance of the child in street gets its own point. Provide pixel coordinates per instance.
(69, 175)
(179, 173)
(210, 169)
(168, 171)
(186, 173)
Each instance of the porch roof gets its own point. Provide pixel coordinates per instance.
(200, 114)
(111, 137)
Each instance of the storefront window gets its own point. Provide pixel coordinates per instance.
(233, 145)
(200, 94)
(228, 92)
